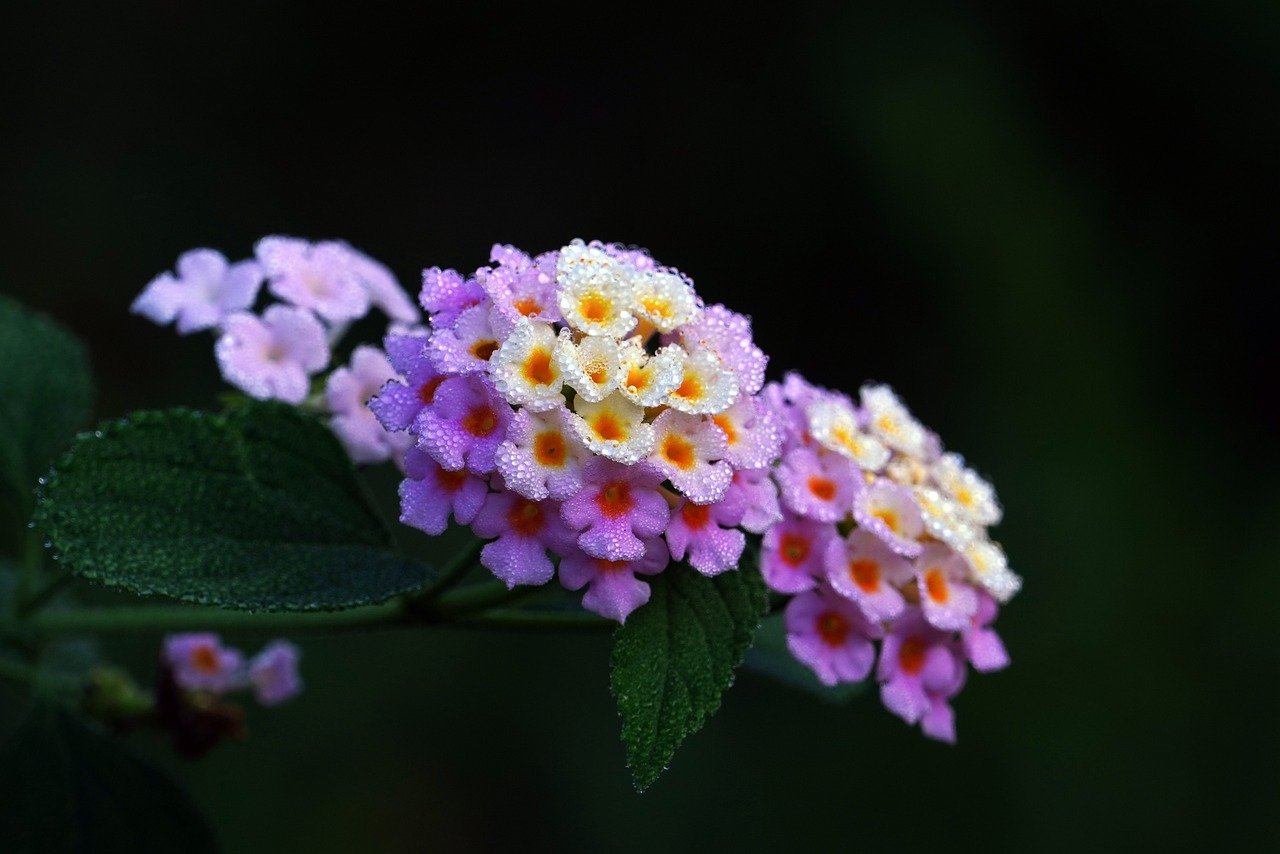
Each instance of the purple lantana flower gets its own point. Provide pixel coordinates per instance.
(830, 636)
(613, 591)
(520, 287)
(399, 403)
(753, 435)
(890, 512)
(274, 673)
(525, 530)
(383, 288)
(346, 395)
(864, 570)
(321, 277)
(982, 645)
(921, 669)
(705, 535)
(616, 509)
(792, 553)
(688, 451)
(947, 600)
(464, 424)
(464, 347)
(446, 294)
(729, 335)
(200, 662)
(204, 292)
(273, 356)
(818, 486)
(429, 494)
(759, 496)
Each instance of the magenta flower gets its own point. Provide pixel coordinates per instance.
(753, 435)
(616, 509)
(525, 530)
(792, 553)
(398, 405)
(864, 570)
(273, 356)
(921, 669)
(947, 600)
(758, 494)
(706, 534)
(818, 486)
(321, 277)
(613, 591)
(890, 512)
(464, 424)
(346, 395)
(520, 287)
(446, 294)
(729, 335)
(829, 635)
(430, 494)
(540, 456)
(688, 451)
(274, 673)
(200, 662)
(982, 645)
(464, 347)
(205, 291)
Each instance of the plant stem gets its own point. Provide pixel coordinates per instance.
(514, 618)
(451, 573)
(42, 596)
(85, 621)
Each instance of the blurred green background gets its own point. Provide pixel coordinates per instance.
(1050, 227)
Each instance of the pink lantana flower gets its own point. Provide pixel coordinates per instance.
(613, 591)
(792, 553)
(200, 662)
(464, 424)
(429, 494)
(346, 395)
(320, 277)
(890, 512)
(707, 536)
(274, 673)
(982, 645)
(616, 510)
(864, 570)
(921, 669)
(947, 600)
(830, 636)
(758, 494)
(817, 486)
(525, 530)
(399, 403)
(540, 456)
(445, 294)
(206, 290)
(273, 356)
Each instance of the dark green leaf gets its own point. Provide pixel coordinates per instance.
(256, 509)
(769, 655)
(46, 392)
(675, 657)
(66, 787)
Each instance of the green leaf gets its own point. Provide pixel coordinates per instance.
(257, 509)
(675, 657)
(66, 787)
(769, 656)
(46, 393)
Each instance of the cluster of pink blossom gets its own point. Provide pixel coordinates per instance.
(586, 404)
(883, 537)
(200, 662)
(320, 288)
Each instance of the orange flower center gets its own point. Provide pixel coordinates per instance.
(890, 519)
(480, 421)
(794, 549)
(610, 565)
(935, 583)
(450, 481)
(427, 391)
(866, 574)
(525, 517)
(608, 427)
(679, 451)
(483, 349)
(832, 628)
(548, 449)
(528, 306)
(637, 379)
(823, 488)
(690, 389)
(594, 307)
(726, 424)
(615, 499)
(911, 656)
(537, 368)
(205, 658)
(696, 516)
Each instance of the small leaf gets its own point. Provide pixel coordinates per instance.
(256, 509)
(46, 393)
(66, 787)
(769, 656)
(675, 657)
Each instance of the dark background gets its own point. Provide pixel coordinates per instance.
(1050, 229)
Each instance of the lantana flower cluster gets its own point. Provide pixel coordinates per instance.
(582, 404)
(883, 539)
(200, 662)
(316, 290)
